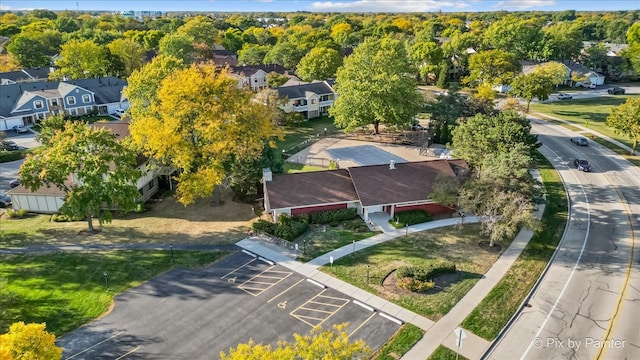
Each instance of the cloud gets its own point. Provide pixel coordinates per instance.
(523, 4)
(4, 7)
(386, 5)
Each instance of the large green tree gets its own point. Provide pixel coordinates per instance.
(34, 49)
(531, 86)
(426, 56)
(253, 54)
(492, 67)
(319, 64)
(82, 59)
(523, 38)
(143, 84)
(562, 41)
(96, 172)
(198, 123)
(201, 29)
(129, 52)
(486, 135)
(625, 119)
(179, 46)
(375, 86)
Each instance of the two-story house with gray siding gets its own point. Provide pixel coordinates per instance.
(312, 100)
(27, 103)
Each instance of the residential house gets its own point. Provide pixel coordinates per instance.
(312, 100)
(391, 189)
(573, 71)
(254, 77)
(26, 103)
(24, 75)
(49, 200)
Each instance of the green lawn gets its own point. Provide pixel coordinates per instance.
(67, 290)
(296, 168)
(321, 240)
(407, 336)
(422, 249)
(591, 113)
(503, 301)
(298, 133)
(444, 353)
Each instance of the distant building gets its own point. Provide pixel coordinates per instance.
(312, 100)
(142, 14)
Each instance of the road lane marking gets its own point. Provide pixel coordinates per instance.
(575, 265)
(134, 350)
(602, 350)
(289, 288)
(91, 347)
(238, 268)
(255, 281)
(312, 301)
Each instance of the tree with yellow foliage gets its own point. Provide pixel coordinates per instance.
(200, 121)
(320, 344)
(29, 342)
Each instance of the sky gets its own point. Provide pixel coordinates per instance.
(324, 6)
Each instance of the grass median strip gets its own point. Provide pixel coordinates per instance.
(400, 343)
(444, 353)
(67, 290)
(495, 310)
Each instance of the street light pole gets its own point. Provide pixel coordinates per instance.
(106, 280)
(406, 230)
(354, 248)
(367, 274)
(325, 132)
(171, 249)
(304, 246)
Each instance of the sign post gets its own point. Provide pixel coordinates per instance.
(331, 261)
(460, 335)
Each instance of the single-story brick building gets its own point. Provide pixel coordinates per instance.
(377, 188)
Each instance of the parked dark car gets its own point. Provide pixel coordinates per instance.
(615, 90)
(579, 140)
(5, 200)
(418, 127)
(582, 165)
(8, 145)
(14, 183)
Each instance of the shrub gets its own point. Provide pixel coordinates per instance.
(287, 228)
(16, 214)
(333, 216)
(264, 226)
(423, 273)
(415, 285)
(410, 217)
(141, 208)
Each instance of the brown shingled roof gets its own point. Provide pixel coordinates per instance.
(311, 188)
(412, 181)
(43, 190)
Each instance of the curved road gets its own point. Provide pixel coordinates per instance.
(587, 304)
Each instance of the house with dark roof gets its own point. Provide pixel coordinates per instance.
(312, 100)
(49, 199)
(24, 75)
(254, 77)
(391, 189)
(28, 102)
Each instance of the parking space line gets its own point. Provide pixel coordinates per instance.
(134, 350)
(246, 286)
(238, 268)
(289, 288)
(361, 325)
(321, 303)
(314, 301)
(94, 345)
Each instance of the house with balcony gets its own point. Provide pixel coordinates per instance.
(26, 103)
(312, 100)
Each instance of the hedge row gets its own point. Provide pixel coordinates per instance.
(422, 273)
(334, 216)
(287, 228)
(410, 217)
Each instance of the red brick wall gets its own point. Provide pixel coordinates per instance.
(430, 208)
(310, 209)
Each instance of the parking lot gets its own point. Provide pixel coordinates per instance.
(196, 314)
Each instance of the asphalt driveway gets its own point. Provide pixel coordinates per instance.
(186, 314)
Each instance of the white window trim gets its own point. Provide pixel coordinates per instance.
(69, 100)
(89, 96)
(36, 102)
